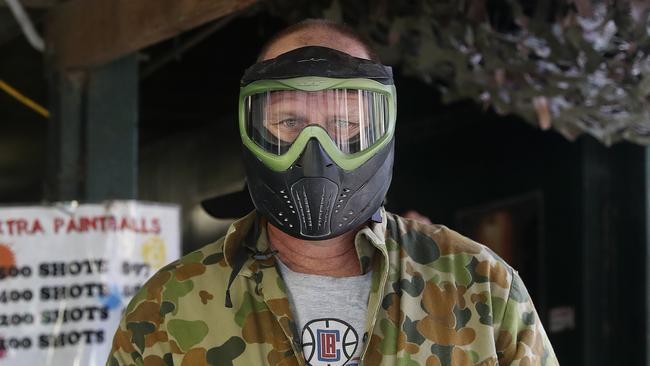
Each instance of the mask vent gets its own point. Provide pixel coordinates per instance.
(286, 217)
(342, 200)
(315, 198)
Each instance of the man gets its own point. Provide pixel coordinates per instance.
(320, 274)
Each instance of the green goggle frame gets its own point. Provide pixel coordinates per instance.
(348, 162)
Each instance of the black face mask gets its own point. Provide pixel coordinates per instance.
(314, 198)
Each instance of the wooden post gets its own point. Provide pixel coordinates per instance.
(647, 256)
(64, 169)
(111, 133)
(615, 209)
(93, 144)
(595, 301)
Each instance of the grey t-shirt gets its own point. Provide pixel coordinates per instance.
(330, 314)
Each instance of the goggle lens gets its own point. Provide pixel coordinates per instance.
(354, 119)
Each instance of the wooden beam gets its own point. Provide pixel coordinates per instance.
(34, 4)
(88, 33)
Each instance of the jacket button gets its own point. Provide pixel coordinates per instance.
(365, 337)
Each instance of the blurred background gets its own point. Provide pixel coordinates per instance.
(522, 124)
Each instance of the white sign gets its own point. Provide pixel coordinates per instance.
(66, 274)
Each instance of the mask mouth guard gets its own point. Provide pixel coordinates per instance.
(334, 77)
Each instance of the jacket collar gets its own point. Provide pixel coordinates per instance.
(247, 240)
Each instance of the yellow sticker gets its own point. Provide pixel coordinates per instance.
(154, 252)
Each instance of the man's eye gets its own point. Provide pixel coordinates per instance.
(290, 123)
(342, 123)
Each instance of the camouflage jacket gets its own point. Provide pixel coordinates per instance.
(437, 298)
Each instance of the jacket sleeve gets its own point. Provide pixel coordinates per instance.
(123, 351)
(521, 339)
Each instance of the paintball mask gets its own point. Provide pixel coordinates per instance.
(317, 127)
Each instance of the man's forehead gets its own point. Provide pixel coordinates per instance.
(332, 95)
(316, 37)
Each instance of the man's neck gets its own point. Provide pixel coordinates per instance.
(334, 257)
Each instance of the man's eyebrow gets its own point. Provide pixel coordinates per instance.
(283, 99)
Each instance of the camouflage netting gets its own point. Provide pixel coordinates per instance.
(574, 65)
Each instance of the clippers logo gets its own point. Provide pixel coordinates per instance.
(328, 342)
